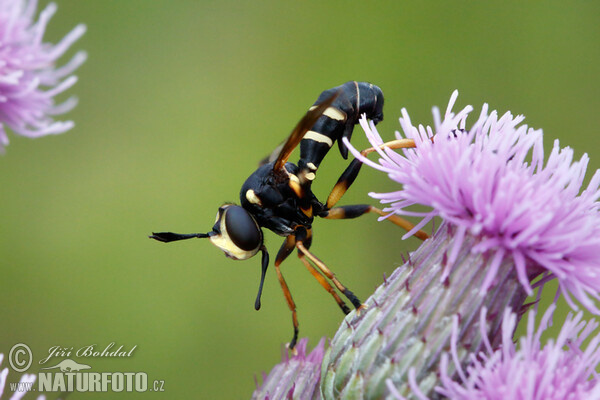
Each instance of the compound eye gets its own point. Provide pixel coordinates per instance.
(242, 228)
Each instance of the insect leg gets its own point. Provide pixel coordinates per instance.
(354, 211)
(306, 236)
(324, 283)
(331, 276)
(349, 175)
(286, 248)
(288, 297)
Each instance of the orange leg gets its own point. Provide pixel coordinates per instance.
(353, 211)
(324, 283)
(288, 297)
(348, 177)
(331, 276)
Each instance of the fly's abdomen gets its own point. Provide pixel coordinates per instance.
(354, 99)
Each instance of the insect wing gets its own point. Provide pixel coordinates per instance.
(273, 156)
(300, 130)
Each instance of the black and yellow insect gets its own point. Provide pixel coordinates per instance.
(278, 194)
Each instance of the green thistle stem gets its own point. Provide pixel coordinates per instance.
(409, 320)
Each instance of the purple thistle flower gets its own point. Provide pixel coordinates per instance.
(29, 78)
(294, 378)
(508, 217)
(481, 182)
(561, 369)
(407, 326)
(25, 381)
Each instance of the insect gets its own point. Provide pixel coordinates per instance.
(278, 195)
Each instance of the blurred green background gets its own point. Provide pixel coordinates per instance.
(178, 102)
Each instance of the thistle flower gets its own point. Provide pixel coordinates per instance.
(29, 78)
(26, 380)
(294, 378)
(408, 323)
(561, 369)
(481, 183)
(508, 218)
